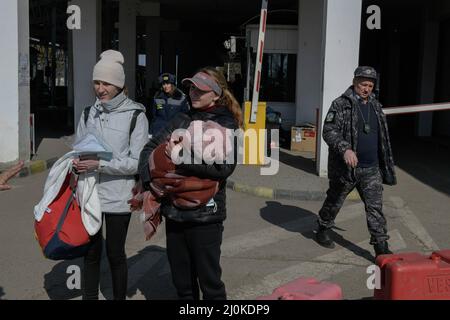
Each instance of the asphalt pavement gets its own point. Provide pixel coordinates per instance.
(268, 241)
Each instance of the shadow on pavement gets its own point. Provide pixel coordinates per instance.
(426, 159)
(2, 293)
(284, 216)
(298, 162)
(148, 273)
(55, 282)
(357, 250)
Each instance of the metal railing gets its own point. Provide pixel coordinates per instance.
(417, 108)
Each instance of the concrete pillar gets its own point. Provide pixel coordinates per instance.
(310, 59)
(15, 82)
(86, 51)
(428, 68)
(127, 42)
(342, 26)
(24, 79)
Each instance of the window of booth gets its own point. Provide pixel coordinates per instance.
(278, 83)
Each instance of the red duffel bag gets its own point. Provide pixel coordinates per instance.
(61, 233)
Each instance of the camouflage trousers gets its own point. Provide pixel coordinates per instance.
(369, 184)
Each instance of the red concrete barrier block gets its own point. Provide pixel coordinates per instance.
(413, 276)
(306, 289)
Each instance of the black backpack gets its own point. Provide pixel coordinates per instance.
(136, 113)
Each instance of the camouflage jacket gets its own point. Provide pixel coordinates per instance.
(340, 132)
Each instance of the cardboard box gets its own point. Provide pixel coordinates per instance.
(303, 138)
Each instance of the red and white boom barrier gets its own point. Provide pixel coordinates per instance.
(259, 59)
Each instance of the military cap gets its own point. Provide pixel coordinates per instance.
(167, 78)
(366, 72)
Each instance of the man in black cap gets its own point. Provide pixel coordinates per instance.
(167, 102)
(360, 156)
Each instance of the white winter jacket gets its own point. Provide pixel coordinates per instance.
(87, 195)
(112, 121)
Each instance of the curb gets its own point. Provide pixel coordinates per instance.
(281, 194)
(39, 166)
(34, 167)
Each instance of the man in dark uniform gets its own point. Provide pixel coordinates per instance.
(360, 156)
(168, 101)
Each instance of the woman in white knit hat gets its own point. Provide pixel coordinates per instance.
(122, 124)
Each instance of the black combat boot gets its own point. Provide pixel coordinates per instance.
(381, 248)
(323, 237)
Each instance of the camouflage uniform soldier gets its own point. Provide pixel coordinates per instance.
(360, 156)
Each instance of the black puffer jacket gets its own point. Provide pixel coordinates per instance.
(218, 172)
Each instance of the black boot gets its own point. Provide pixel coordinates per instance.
(323, 237)
(381, 248)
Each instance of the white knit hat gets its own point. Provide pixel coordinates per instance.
(109, 69)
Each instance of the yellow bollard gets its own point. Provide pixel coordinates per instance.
(254, 135)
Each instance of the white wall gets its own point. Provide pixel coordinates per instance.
(343, 28)
(14, 82)
(279, 38)
(86, 50)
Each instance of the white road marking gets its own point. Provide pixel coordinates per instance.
(322, 268)
(413, 224)
(262, 237)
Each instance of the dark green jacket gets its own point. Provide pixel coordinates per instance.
(340, 132)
